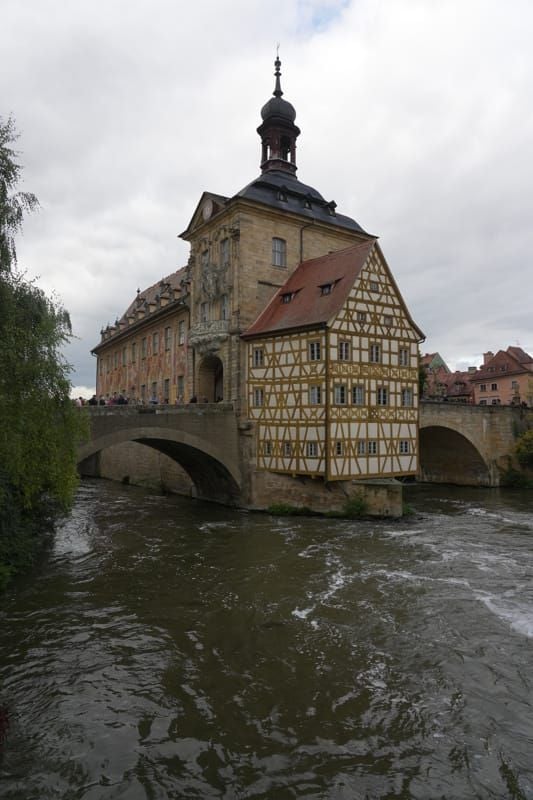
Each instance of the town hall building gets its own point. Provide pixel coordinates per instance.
(287, 309)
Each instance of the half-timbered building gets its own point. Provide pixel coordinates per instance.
(333, 371)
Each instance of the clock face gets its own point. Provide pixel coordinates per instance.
(207, 209)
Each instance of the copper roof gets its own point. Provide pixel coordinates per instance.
(301, 302)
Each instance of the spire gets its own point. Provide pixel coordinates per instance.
(278, 132)
(277, 91)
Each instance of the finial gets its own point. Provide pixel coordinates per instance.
(277, 63)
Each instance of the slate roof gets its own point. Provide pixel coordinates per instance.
(308, 306)
(271, 186)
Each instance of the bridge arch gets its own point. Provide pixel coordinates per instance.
(214, 478)
(448, 456)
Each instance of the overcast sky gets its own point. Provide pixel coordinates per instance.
(416, 118)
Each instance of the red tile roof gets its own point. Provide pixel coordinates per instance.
(308, 306)
(513, 361)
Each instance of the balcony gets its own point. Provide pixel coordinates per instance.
(206, 336)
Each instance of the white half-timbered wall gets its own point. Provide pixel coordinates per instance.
(351, 412)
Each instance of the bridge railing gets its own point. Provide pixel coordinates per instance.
(160, 408)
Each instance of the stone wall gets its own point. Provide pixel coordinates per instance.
(382, 498)
(140, 465)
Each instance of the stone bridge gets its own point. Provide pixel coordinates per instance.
(468, 445)
(459, 444)
(203, 439)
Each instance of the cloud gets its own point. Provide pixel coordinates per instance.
(415, 117)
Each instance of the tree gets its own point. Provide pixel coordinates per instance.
(12, 205)
(524, 450)
(39, 428)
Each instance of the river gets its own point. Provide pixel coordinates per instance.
(169, 649)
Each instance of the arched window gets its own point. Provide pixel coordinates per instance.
(279, 252)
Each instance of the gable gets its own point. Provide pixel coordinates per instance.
(376, 295)
(207, 207)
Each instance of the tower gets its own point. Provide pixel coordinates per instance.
(278, 132)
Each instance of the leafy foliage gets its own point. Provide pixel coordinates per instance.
(524, 449)
(14, 205)
(40, 428)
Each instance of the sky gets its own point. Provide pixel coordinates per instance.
(416, 118)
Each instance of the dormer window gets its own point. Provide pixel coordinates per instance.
(307, 201)
(286, 297)
(331, 208)
(326, 288)
(282, 194)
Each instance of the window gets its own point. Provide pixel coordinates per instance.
(224, 252)
(483, 387)
(124, 356)
(495, 401)
(388, 320)
(339, 394)
(166, 390)
(224, 307)
(267, 448)
(339, 448)
(155, 344)
(514, 385)
(108, 363)
(375, 354)
(374, 286)
(314, 351)
(204, 312)
(168, 334)
(286, 297)
(258, 397)
(361, 447)
(205, 258)
(326, 288)
(180, 386)
(287, 449)
(344, 351)
(382, 396)
(404, 446)
(361, 316)
(482, 402)
(407, 397)
(133, 352)
(494, 387)
(403, 357)
(115, 359)
(372, 448)
(358, 395)
(279, 252)
(154, 391)
(259, 357)
(143, 393)
(315, 395)
(312, 449)
(181, 332)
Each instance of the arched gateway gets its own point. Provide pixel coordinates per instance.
(211, 379)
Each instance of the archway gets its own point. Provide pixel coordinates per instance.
(211, 379)
(449, 457)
